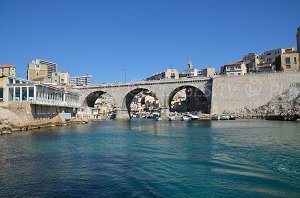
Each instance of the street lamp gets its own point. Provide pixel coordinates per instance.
(124, 74)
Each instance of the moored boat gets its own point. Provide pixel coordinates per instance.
(215, 117)
(224, 116)
(172, 118)
(185, 118)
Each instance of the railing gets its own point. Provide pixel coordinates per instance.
(43, 101)
(149, 82)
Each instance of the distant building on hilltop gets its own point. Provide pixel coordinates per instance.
(60, 78)
(252, 61)
(234, 69)
(7, 70)
(271, 55)
(209, 72)
(41, 70)
(81, 80)
(290, 61)
(168, 74)
(193, 72)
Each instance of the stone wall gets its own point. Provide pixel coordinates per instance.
(235, 93)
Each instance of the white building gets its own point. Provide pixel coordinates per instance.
(234, 69)
(81, 80)
(193, 72)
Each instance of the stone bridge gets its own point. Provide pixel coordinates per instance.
(162, 90)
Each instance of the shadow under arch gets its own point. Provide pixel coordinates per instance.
(130, 95)
(196, 100)
(92, 98)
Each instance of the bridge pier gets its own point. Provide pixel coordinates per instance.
(122, 114)
(164, 112)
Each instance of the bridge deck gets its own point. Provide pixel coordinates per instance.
(143, 83)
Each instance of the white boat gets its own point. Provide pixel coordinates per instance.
(224, 116)
(172, 118)
(158, 118)
(185, 118)
(193, 117)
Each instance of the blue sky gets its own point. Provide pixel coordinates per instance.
(104, 37)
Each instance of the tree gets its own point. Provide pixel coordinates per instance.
(278, 63)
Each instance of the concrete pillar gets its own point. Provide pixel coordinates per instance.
(164, 112)
(27, 91)
(122, 114)
(14, 94)
(164, 106)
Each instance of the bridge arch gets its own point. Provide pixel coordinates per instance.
(105, 105)
(132, 94)
(195, 99)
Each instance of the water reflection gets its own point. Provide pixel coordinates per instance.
(149, 158)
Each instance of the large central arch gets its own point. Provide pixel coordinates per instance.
(130, 95)
(195, 99)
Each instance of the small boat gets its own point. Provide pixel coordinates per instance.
(185, 118)
(158, 118)
(224, 116)
(172, 118)
(232, 117)
(215, 117)
(193, 117)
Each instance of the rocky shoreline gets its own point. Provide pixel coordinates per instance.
(11, 122)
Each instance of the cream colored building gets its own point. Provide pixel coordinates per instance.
(168, 74)
(270, 56)
(60, 78)
(290, 62)
(7, 70)
(252, 61)
(209, 72)
(234, 69)
(41, 70)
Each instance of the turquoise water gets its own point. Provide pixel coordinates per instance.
(145, 158)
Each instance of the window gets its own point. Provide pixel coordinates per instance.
(10, 81)
(24, 93)
(31, 92)
(17, 93)
(1, 94)
(288, 60)
(295, 60)
(288, 66)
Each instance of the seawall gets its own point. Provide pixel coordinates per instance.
(234, 93)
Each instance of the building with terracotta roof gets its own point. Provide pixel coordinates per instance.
(7, 70)
(234, 69)
(270, 55)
